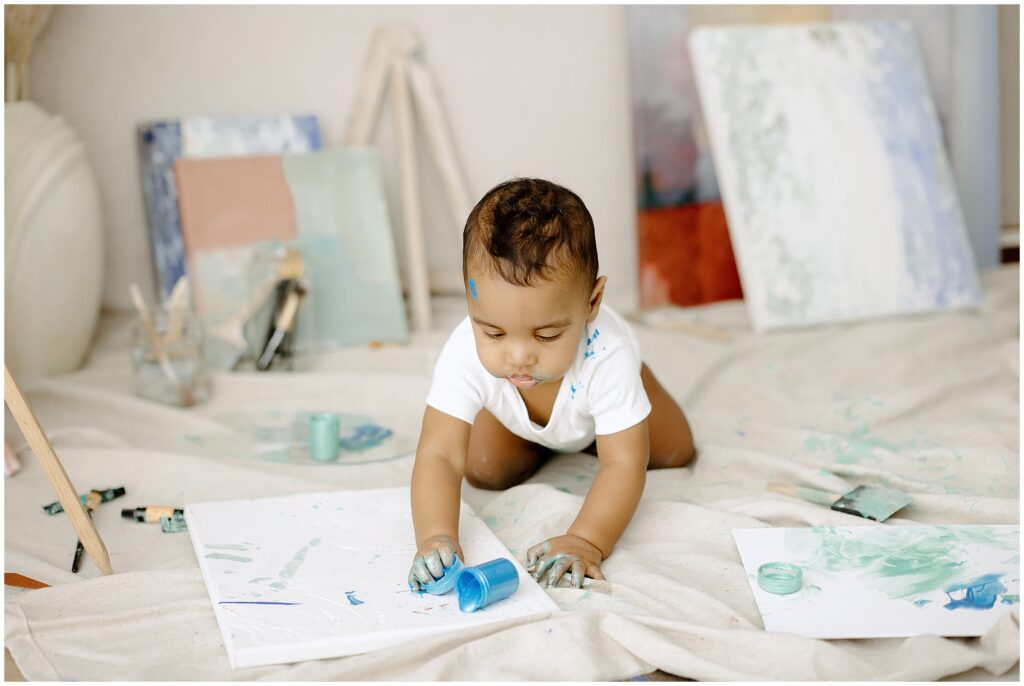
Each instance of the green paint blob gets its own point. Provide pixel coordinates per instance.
(491, 521)
(225, 556)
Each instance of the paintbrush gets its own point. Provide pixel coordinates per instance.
(177, 305)
(870, 502)
(185, 395)
(293, 291)
(226, 343)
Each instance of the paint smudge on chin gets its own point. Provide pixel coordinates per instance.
(472, 288)
(351, 595)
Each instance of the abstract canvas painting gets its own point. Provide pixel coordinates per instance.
(887, 581)
(237, 212)
(319, 575)
(838, 191)
(160, 143)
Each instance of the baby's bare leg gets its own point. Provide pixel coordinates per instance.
(497, 458)
(669, 432)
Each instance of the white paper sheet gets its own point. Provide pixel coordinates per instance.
(320, 575)
(887, 581)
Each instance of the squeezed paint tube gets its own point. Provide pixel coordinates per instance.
(481, 585)
(173, 524)
(104, 496)
(150, 514)
(780, 578)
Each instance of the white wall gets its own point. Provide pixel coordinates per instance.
(529, 90)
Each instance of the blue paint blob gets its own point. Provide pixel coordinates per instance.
(572, 389)
(977, 594)
(472, 288)
(351, 595)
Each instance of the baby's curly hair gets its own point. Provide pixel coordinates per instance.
(531, 229)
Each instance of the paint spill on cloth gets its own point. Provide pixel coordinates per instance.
(352, 600)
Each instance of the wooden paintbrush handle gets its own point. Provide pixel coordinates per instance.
(54, 470)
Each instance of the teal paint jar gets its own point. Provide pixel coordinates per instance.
(780, 578)
(481, 585)
(324, 428)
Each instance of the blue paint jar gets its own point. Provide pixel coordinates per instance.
(324, 428)
(481, 585)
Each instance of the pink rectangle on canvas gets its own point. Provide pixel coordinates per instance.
(233, 201)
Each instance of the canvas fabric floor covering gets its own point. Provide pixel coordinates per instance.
(929, 404)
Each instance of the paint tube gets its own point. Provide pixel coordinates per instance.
(150, 514)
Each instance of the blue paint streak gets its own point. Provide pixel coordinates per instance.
(979, 593)
(254, 602)
(351, 595)
(472, 288)
(921, 603)
(572, 389)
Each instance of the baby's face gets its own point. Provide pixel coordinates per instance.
(528, 335)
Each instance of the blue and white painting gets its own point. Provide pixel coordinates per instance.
(318, 575)
(887, 581)
(162, 142)
(839, 194)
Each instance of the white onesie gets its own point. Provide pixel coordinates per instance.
(600, 394)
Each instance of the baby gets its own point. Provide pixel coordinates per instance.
(538, 366)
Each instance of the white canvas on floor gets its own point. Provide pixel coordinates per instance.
(887, 581)
(838, 191)
(320, 575)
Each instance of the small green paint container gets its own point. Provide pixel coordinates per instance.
(780, 578)
(324, 429)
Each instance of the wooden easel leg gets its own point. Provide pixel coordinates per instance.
(419, 280)
(54, 470)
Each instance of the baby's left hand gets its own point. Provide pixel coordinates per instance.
(555, 556)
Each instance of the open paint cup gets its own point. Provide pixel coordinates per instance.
(446, 582)
(481, 585)
(780, 578)
(324, 443)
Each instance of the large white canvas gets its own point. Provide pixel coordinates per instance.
(838, 192)
(343, 558)
(885, 581)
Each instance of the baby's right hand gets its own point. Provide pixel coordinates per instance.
(437, 553)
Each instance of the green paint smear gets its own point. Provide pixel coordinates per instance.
(563, 489)
(225, 556)
(225, 546)
(491, 521)
(293, 565)
(901, 563)
(1011, 598)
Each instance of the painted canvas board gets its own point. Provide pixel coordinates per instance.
(838, 191)
(319, 575)
(887, 581)
(683, 247)
(160, 143)
(348, 250)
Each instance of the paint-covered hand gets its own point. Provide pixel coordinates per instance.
(434, 556)
(549, 561)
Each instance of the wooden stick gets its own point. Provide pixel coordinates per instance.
(429, 107)
(371, 89)
(66, 492)
(419, 281)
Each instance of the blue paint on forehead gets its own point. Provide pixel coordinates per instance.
(472, 288)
